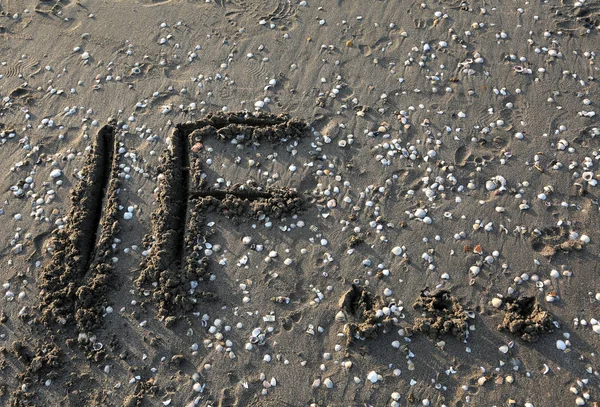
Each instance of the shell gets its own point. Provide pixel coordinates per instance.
(496, 302)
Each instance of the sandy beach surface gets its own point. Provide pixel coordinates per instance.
(299, 203)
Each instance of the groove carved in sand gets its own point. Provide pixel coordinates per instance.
(76, 280)
(176, 265)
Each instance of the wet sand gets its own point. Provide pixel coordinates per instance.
(299, 203)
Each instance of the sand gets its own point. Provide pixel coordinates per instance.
(275, 202)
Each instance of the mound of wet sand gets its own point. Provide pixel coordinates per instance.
(441, 314)
(365, 312)
(523, 317)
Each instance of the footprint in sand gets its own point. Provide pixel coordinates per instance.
(271, 10)
(389, 42)
(51, 7)
(292, 319)
(19, 67)
(462, 155)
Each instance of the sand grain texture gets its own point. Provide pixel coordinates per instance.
(238, 202)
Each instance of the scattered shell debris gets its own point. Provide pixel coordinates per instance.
(171, 237)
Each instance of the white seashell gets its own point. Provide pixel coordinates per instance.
(496, 302)
(397, 251)
(561, 345)
(420, 213)
(490, 185)
(373, 377)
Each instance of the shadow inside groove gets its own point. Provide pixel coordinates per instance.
(93, 203)
(181, 163)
